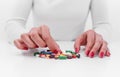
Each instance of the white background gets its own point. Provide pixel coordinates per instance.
(15, 64)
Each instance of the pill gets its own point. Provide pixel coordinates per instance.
(78, 55)
(52, 56)
(36, 53)
(42, 52)
(62, 57)
(69, 57)
(73, 52)
(47, 56)
(42, 55)
(68, 51)
(73, 56)
(56, 56)
(48, 52)
(62, 54)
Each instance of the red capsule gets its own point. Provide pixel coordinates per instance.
(73, 56)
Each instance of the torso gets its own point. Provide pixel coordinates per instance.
(65, 18)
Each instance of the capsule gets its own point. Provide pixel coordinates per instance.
(73, 53)
(36, 53)
(56, 56)
(48, 52)
(68, 51)
(52, 56)
(78, 55)
(69, 57)
(42, 52)
(47, 56)
(74, 56)
(42, 56)
(62, 57)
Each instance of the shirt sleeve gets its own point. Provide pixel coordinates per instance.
(101, 25)
(15, 25)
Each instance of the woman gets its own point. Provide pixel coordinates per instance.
(60, 20)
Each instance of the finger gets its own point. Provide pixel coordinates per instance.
(20, 44)
(96, 46)
(90, 42)
(52, 45)
(79, 41)
(36, 38)
(27, 40)
(107, 53)
(103, 50)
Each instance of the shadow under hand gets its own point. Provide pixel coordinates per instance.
(30, 52)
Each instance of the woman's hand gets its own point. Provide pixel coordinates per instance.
(94, 43)
(37, 37)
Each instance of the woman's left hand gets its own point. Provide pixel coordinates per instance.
(94, 43)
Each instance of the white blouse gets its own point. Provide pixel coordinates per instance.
(65, 18)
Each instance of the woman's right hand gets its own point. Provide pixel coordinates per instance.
(37, 37)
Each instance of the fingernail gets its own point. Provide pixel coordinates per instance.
(76, 50)
(92, 54)
(87, 52)
(55, 51)
(108, 54)
(60, 52)
(37, 46)
(101, 54)
(25, 48)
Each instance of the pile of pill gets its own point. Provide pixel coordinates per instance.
(50, 55)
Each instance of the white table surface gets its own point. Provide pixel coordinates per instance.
(15, 63)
